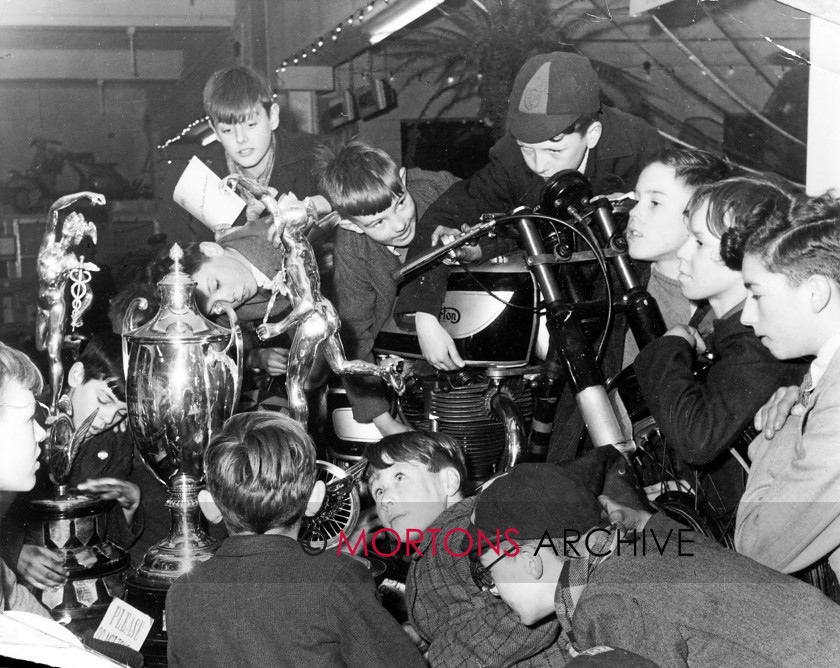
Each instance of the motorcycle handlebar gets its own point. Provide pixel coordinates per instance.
(437, 253)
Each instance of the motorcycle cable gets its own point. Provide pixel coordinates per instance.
(599, 258)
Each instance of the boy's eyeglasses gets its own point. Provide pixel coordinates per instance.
(481, 575)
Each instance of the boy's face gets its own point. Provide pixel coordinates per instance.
(516, 586)
(247, 143)
(395, 226)
(656, 228)
(88, 396)
(547, 158)
(223, 279)
(703, 275)
(409, 496)
(777, 311)
(19, 449)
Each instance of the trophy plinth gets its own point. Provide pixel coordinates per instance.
(75, 526)
(181, 385)
(186, 544)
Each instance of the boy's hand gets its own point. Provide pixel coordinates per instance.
(772, 416)
(255, 208)
(435, 343)
(387, 424)
(627, 518)
(465, 254)
(41, 567)
(690, 334)
(127, 494)
(274, 361)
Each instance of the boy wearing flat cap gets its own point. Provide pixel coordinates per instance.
(555, 122)
(663, 592)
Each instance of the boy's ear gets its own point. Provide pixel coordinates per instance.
(76, 375)
(348, 224)
(208, 507)
(819, 292)
(402, 172)
(274, 115)
(211, 249)
(532, 562)
(316, 498)
(451, 481)
(593, 134)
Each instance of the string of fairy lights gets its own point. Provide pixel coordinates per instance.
(356, 17)
(300, 56)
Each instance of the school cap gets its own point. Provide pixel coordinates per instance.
(549, 94)
(533, 499)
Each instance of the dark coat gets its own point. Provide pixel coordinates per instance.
(701, 420)
(262, 601)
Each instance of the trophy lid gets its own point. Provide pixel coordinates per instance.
(178, 317)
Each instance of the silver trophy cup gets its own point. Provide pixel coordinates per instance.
(181, 385)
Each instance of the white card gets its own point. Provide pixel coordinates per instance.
(124, 624)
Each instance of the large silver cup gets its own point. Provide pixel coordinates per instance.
(181, 385)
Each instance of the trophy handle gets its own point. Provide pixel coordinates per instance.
(235, 335)
(128, 325)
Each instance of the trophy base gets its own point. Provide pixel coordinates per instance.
(146, 586)
(152, 601)
(75, 527)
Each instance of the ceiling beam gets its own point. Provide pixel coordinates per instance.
(182, 14)
(90, 64)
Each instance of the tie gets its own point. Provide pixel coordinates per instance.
(805, 389)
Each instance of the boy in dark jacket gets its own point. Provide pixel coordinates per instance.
(555, 122)
(262, 600)
(701, 420)
(379, 204)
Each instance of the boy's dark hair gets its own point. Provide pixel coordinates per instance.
(16, 366)
(736, 207)
(695, 167)
(231, 94)
(803, 243)
(260, 469)
(102, 360)
(357, 178)
(434, 450)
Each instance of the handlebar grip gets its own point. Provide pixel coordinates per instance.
(435, 254)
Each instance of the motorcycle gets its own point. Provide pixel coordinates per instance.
(35, 188)
(526, 325)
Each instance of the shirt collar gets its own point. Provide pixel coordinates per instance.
(820, 363)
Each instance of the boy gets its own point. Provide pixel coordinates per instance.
(788, 517)
(95, 383)
(655, 228)
(417, 481)
(242, 112)
(261, 600)
(246, 119)
(379, 204)
(702, 419)
(555, 122)
(680, 601)
(20, 381)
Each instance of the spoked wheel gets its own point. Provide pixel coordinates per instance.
(681, 507)
(340, 511)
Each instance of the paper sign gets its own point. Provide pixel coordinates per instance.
(124, 624)
(639, 6)
(199, 192)
(30, 637)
